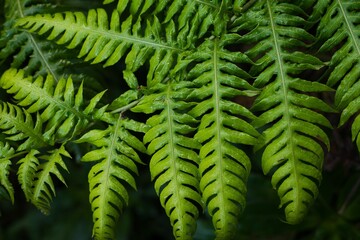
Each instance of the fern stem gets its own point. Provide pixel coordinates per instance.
(36, 46)
(18, 154)
(127, 107)
(42, 57)
(20, 8)
(217, 97)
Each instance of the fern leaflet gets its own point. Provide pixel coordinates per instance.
(224, 166)
(6, 151)
(27, 172)
(344, 64)
(155, 40)
(18, 125)
(43, 186)
(61, 107)
(290, 116)
(100, 39)
(115, 156)
(174, 163)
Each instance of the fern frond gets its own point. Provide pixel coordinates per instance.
(43, 187)
(290, 115)
(100, 39)
(223, 130)
(115, 169)
(108, 39)
(6, 151)
(343, 34)
(191, 18)
(5, 165)
(35, 176)
(27, 172)
(174, 162)
(60, 105)
(18, 125)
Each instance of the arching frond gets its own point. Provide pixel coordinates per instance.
(174, 162)
(43, 188)
(102, 40)
(339, 29)
(108, 39)
(290, 115)
(18, 125)
(115, 168)
(35, 175)
(6, 151)
(223, 130)
(62, 108)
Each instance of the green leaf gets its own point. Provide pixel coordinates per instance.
(27, 172)
(43, 186)
(129, 36)
(124, 100)
(343, 35)
(5, 166)
(174, 161)
(17, 124)
(290, 117)
(101, 40)
(223, 130)
(60, 106)
(115, 168)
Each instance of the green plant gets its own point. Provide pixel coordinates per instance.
(213, 79)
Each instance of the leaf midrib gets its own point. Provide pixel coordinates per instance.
(44, 177)
(20, 125)
(349, 27)
(43, 94)
(286, 115)
(218, 121)
(107, 33)
(173, 156)
(106, 185)
(36, 46)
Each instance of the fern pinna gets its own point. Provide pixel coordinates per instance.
(342, 35)
(224, 166)
(60, 106)
(174, 161)
(185, 67)
(116, 153)
(290, 116)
